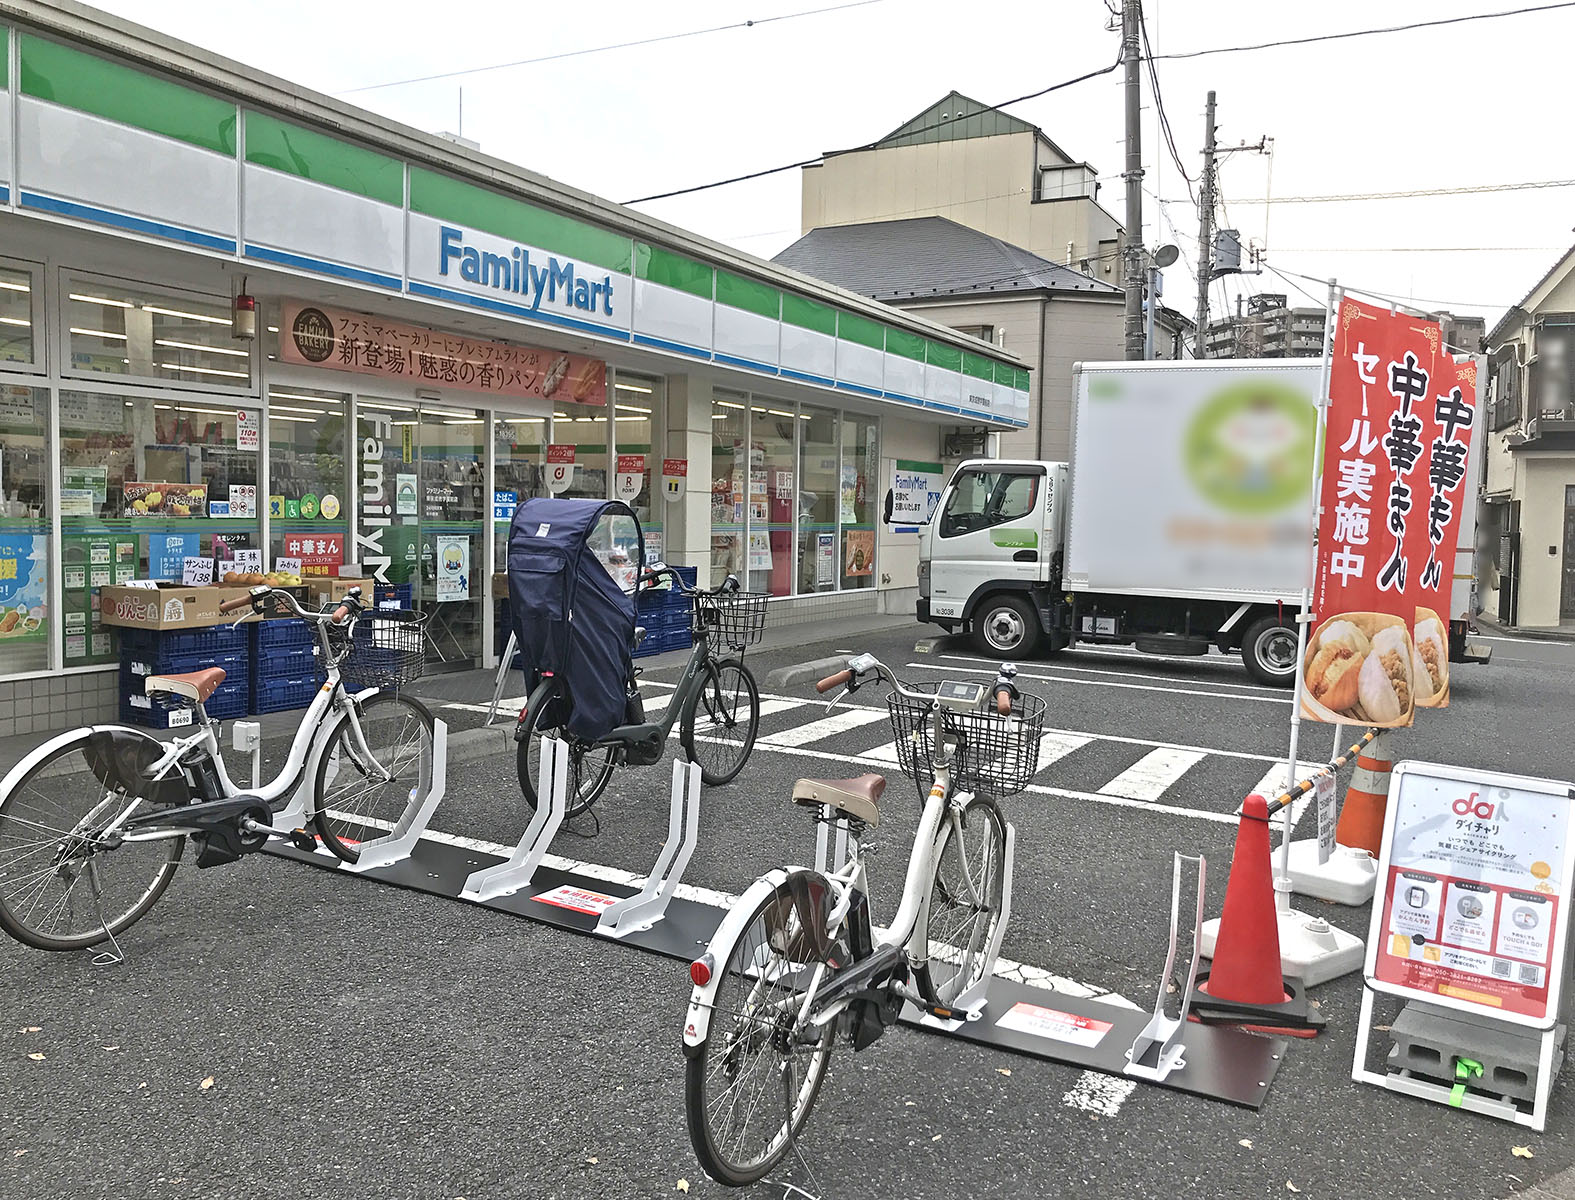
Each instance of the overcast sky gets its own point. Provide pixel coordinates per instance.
(1458, 106)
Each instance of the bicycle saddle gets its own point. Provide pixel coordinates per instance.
(855, 797)
(194, 685)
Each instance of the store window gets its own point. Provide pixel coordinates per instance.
(115, 328)
(729, 483)
(773, 492)
(856, 500)
(148, 481)
(518, 448)
(308, 483)
(24, 530)
(637, 421)
(586, 431)
(819, 498)
(18, 291)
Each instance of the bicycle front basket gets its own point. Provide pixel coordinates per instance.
(387, 649)
(736, 619)
(996, 755)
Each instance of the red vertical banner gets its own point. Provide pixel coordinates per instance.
(1394, 458)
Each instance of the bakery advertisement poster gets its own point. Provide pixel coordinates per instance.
(1476, 875)
(1394, 482)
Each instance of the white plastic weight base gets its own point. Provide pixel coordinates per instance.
(1349, 877)
(1311, 949)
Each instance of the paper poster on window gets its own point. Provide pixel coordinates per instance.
(405, 494)
(166, 499)
(825, 560)
(653, 546)
(849, 493)
(16, 406)
(23, 583)
(168, 552)
(1479, 867)
(453, 567)
(95, 480)
(319, 554)
(503, 504)
(860, 551)
(243, 499)
(915, 491)
(248, 429)
(759, 550)
(76, 502)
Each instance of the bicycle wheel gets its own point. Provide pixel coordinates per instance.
(749, 1087)
(358, 799)
(590, 766)
(720, 721)
(62, 885)
(963, 906)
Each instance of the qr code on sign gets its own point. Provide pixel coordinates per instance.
(1501, 967)
(1529, 974)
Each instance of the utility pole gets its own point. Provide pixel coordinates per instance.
(1133, 272)
(1206, 225)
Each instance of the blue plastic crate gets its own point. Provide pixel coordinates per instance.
(153, 712)
(135, 668)
(288, 662)
(282, 631)
(152, 644)
(277, 695)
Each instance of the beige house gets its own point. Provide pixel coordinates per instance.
(1527, 523)
(981, 168)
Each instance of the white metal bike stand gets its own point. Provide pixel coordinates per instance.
(1157, 1050)
(515, 872)
(639, 912)
(972, 1000)
(503, 678)
(399, 841)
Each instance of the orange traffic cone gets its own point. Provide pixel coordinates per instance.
(1361, 825)
(1243, 985)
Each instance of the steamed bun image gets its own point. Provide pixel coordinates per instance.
(1361, 669)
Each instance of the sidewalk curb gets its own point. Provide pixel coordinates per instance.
(805, 672)
(1531, 632)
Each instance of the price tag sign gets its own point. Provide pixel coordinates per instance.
(249, 561)
(196, 571)
(287, 566)
(1323, 790)
(226, 566)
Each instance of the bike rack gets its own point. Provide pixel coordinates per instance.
(514, 873)
(638, 913)
(972, 1000)
(1157, 1050)
(399, 841)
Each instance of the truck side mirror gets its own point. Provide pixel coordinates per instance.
(886, 508)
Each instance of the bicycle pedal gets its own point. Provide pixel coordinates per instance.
(303, 841)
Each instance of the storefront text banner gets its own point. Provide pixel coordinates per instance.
(315, 336)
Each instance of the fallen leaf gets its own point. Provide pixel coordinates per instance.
(1247, 1142)
(682, 1185)
(1093, 1116)
(1003, 1070)
(112, 1047)
(593, 1161)
(1316, 1003)
(908, 1103)
(1381, 1028)
(18, 1153)
(28, 1029)
(36, 1057)
(936, 1138)
(207, 1083)
(142, 1085)
(1291, 1187)
(1518, 1151)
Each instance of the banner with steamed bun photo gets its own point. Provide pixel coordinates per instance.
(1393, 485)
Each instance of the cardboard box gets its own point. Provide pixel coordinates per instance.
(327, 589)
(168, 606)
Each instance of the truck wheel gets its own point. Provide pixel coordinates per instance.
(1268, 651)
(1006, 627)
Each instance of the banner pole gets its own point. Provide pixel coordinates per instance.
(1282, 880)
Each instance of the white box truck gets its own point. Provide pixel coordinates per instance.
(1182, 523)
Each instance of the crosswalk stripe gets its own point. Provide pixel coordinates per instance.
(1056, 746)
(838, 722)
(1274, 783)
(1148, 778)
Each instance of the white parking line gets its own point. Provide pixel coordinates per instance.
(1148, 778)
(1140, 687)
(1098, 1093)
(838, 722)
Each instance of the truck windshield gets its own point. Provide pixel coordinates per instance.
(981, 499)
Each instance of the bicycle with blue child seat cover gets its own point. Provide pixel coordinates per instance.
(716, 704)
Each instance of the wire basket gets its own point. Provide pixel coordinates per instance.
(992, 754)
(736, 618)
(383, 648)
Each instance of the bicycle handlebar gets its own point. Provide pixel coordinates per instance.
(255, 597)
(1004, 690)
(654, 575)
(833, 681)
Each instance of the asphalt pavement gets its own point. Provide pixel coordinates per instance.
(363, 1040)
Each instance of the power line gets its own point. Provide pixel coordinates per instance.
(1356, 33)
(1408, 301)
(1159, 105)
(1054, 87)
(650, 41)
(1418, 249)
(1531, 185)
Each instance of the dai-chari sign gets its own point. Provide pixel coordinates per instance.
(500, 272)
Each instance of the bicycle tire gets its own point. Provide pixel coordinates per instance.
(954, 932)
(768, 936)
(719, 691)
(590, 767)
(70, 786)
(383, 803)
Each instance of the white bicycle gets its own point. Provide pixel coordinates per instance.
(797, 960)
(94, 822)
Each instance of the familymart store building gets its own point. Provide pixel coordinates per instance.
(236, 315)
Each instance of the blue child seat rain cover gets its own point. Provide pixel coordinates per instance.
(571, 616)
